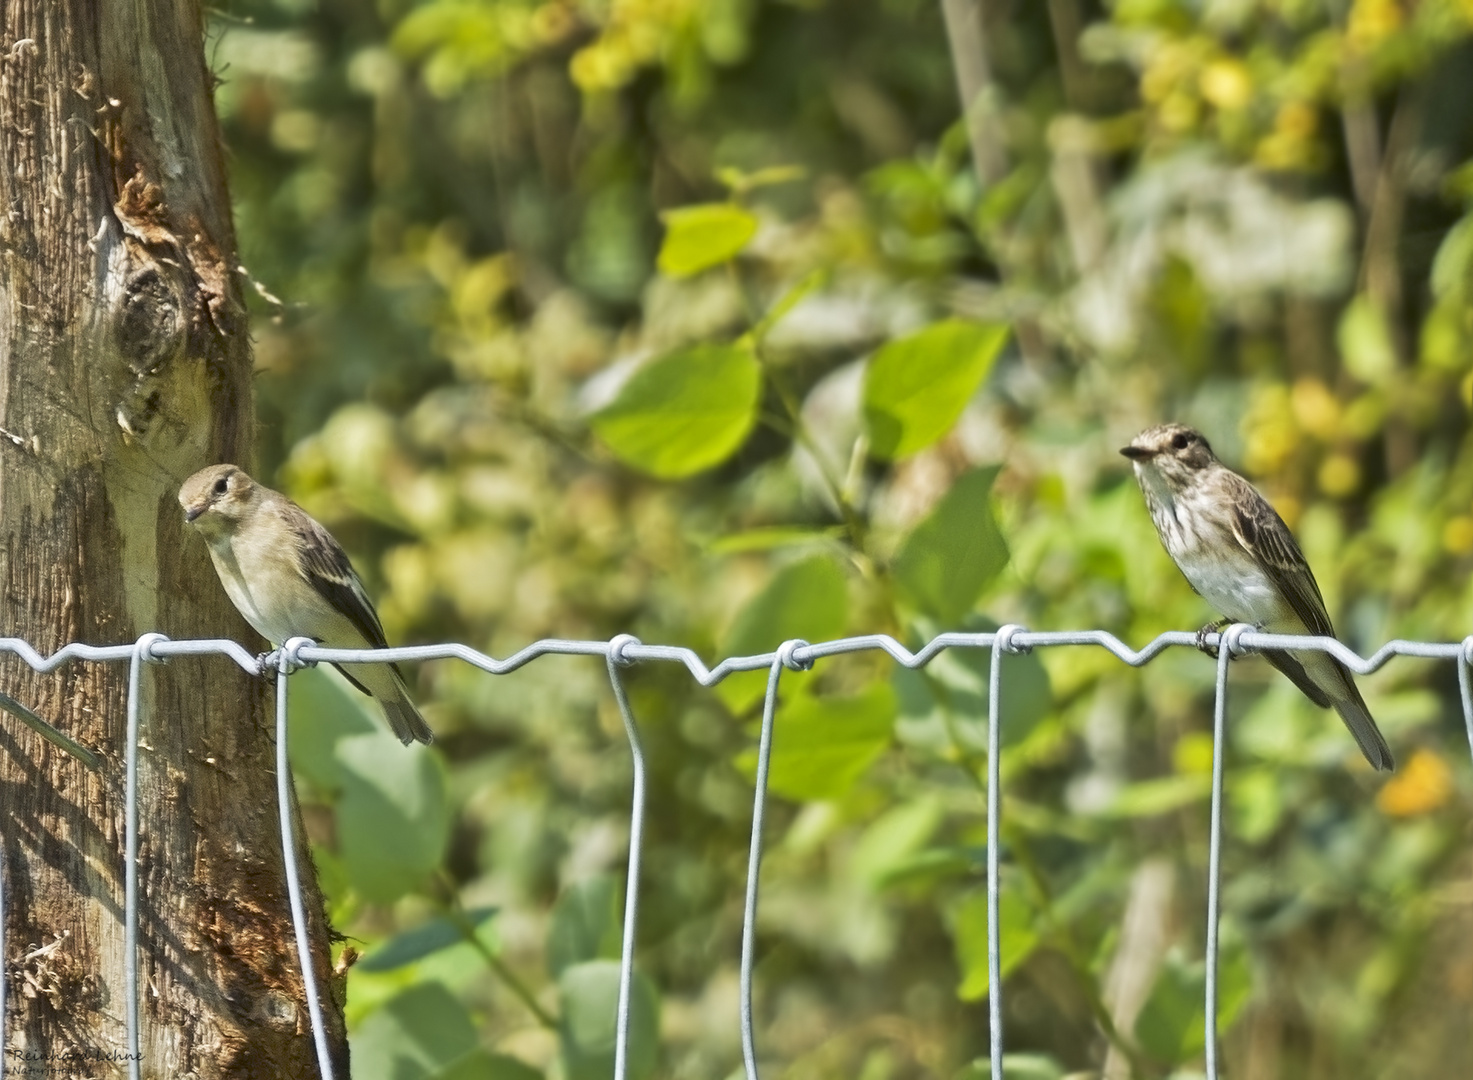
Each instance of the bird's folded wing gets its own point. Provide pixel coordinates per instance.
(1263, 534)
(325, 566)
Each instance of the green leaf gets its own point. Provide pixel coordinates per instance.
(416, 944)
(585, 924)
(323, 708)
(393, 817)
(943, 706)
(806, 286)
(1171, 1026)
(892, 840)
(1365, 342)
(1441, 341)
(742, 182)
(954, 553)
(1017, 933)
(1452, 268)
(773, 536)
(686, 411)
(589, 995)
(417, 1035)
(700, 237)
(807, 599)
(481, 1065)
(925, 869)
(916, 387)
(1256, 798)
(1015, 1067)
(821, 746)
(1151, 798)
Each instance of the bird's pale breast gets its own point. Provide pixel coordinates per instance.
(1233, 584)
(263, 583)
(1196, 532)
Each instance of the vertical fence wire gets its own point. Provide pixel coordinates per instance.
(130, 865)
(4, 962)
(1002, 643)
(1465, 692)
(784, 657)
(754, 866)
(1226, 644)
(130, 849)
(285, 661)
(616, 659)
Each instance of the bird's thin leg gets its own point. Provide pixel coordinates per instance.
(1210, 628)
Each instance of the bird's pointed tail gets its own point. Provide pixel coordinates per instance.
(1357, 717)
(403, 717)
(385, 684)
(1328, 683)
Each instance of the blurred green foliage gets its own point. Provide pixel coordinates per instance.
(692, 319)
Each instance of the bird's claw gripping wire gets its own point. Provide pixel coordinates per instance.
(1210, 628)
(268, 664)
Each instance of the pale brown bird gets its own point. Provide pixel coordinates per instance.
(1238, 554)
(286, 574)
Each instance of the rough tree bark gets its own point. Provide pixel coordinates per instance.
(124, 366)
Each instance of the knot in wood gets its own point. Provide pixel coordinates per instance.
(150, 322)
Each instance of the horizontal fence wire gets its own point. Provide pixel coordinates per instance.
(619, 654)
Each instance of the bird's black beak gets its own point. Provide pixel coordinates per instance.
(195, 511)
(1137, 453)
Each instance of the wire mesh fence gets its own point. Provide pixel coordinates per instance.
(625, 650)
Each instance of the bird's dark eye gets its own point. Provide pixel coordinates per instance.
(221, 486)
(1181, 441)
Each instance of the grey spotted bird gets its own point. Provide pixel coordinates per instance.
(286, 574)
(1238, 554)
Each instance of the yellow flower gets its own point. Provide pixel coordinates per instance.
(1226, 83)
(1372, 21)
(598, 67)
(1165, 68)
(551, 23)
(1457, 535)
(1270, 431)
(1296, 119)
(1192, 754)
(1339, 475)
(1179, 112)
(1316, 408)
(1422, 785)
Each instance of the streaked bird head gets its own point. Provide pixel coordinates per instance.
(215, 499)
(1173, 452)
